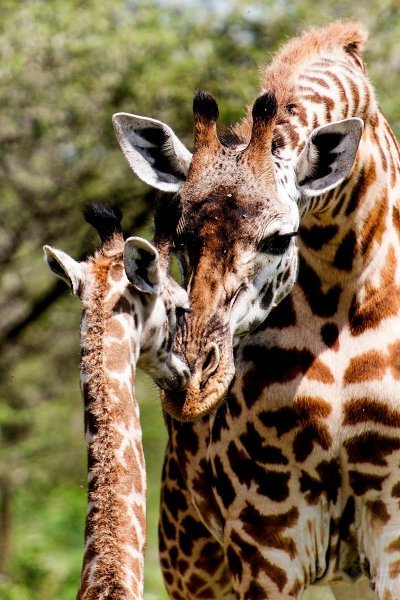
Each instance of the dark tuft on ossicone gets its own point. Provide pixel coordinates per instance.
(104, 218)
(205, 106)
(265, 107)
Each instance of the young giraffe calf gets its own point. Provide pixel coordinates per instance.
(121, 319)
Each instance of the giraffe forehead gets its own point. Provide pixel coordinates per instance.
(219, 210)
(220, 232)
(246, 174)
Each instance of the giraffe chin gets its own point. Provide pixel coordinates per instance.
(198, 400)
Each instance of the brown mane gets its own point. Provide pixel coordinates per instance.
(281, 75)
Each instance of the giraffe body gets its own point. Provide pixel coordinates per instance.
(295, 478)
(120, 322)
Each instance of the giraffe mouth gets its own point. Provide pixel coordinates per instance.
(202, 394)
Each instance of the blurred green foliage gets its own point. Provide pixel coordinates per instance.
(65, 68)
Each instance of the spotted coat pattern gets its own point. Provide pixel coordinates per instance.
(119, 323)
(115, 532)
(295, 479)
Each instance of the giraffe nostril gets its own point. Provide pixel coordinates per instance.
(211, 361)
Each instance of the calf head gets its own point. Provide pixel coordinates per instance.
(134, 282)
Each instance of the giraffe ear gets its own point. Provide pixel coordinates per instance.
(153, 151)
(65, 267)
(142, 265)
(328, 156)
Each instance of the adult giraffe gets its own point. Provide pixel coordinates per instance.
(129, 307)
(295, 478)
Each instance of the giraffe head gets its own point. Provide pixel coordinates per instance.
(136, 282)
(163, 301)
(232, 221)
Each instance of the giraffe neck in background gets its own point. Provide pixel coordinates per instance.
(348, 235)
(115, 531)
(351, 250)
(341, 230)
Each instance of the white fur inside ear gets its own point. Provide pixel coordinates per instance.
(64, 267)
(177, 152)
(153, 151)
(142, 265)
(328, 156)
(307, 164)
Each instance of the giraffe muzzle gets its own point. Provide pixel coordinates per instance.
(211, 376)
(176, 377)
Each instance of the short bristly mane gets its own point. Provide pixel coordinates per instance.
(281, 75)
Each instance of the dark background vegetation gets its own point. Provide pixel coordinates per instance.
(65, 68)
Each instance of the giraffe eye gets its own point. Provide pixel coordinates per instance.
(181, 310)
(276, 244)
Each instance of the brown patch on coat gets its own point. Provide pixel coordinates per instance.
(394, 359)
(394, 546)
(361, 483)
(320, 372)
(362, 410)
(380, 303)
(268, 530)
(114, 329)
(394, 569)
(375, 224)
(327, 484)
(117, 357)
(330, 335)
(371, 447)
(378, 510)
(365, 367)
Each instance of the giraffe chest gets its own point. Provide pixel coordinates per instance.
(297, 402)
(308, 427)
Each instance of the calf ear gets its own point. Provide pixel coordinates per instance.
(142, 265)
(328, 156)
(152, 149)
(65, 267)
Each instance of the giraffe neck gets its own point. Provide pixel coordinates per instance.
(347, 236)
(350, 240)
(115, 525)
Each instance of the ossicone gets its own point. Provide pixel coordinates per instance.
(205, 106)
(264, 112)
(265, 107)
(206, 113)
(104, 218)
